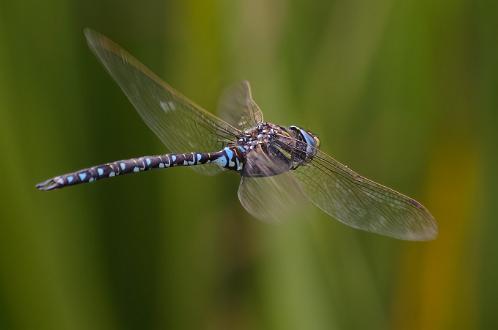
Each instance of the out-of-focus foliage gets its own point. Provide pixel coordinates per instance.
(405, 92)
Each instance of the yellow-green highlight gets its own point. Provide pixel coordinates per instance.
(404, 92)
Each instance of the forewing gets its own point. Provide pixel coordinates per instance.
(179, 123)
(237, 107)
(272, 198)
(362, 203)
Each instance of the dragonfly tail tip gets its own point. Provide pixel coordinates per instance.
(49, 184)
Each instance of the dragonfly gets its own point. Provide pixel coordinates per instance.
(279, 166)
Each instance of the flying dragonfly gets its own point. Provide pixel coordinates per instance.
(279, 166)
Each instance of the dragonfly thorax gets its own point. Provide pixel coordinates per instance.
(261, 135)
(269, 149)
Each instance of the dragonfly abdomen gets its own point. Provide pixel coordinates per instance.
(227, 158)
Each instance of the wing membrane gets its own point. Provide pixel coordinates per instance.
(238, 108)
(180, 124)
(362, 203)
(270, 198)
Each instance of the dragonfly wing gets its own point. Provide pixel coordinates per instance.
(361, 203)
(238, 108)
(179, 123)
(270, 198)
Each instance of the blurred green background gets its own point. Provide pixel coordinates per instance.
(403, 91)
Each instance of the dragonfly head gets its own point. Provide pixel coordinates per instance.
(311, 140)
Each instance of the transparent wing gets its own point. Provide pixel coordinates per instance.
(237, 107)
(362, 203)
(270, 198)
(179, 123)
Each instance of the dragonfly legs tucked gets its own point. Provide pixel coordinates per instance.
(230, 158)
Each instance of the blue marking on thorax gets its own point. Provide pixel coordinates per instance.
(230, 155)
(148, 161)
(100, 171)
(112, 174)
(123, 166)
(199, 156)
(229, 152)
(82, 176)
(221, 161)
(70, 179)
(173, 158)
